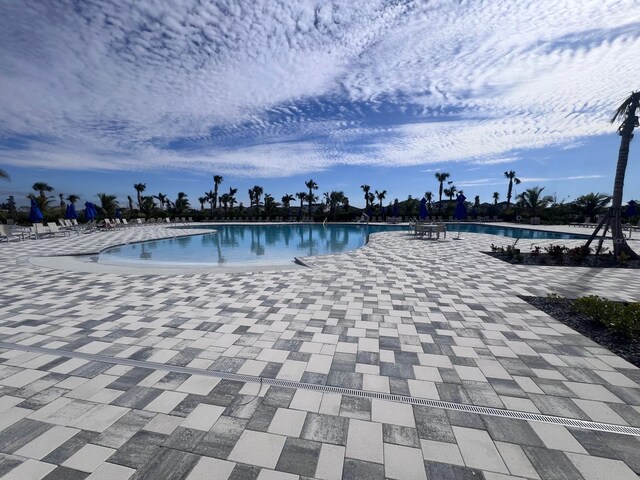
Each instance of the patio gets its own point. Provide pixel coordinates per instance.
(113, 375)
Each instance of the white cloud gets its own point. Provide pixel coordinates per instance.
(276, 88)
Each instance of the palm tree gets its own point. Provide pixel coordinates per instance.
(365, 189)
(476, 201)
(140, 187)
(441, 177)
(224, 200)
(429, 197)
(286, 203)
(257, 193)
(42, 188)
(4, 175)
(210, 196)
(162, 198)
(531, 199)
(202, 200)
(182, 203)
(269, 205)
(511, 175)
(217, 180)
(63, 206)
(628, 115)
(108, 204)
(250, 198)
(73, 198)
(301, 196)
(311, 185)
(451, 192)
(381, 196)
(496, 197)
(592, 204)
(232, 199)
(130, 200)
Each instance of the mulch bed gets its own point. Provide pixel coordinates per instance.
(602, 261)
(561, 309)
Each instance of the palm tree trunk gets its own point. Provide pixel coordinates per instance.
(509, 193)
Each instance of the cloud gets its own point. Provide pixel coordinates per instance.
(277, 88)
(578, 177)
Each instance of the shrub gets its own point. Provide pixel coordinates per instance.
(622, 317)
(556, 251)
(535, 251)
(578, 254)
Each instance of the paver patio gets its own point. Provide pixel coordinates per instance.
(430, 319)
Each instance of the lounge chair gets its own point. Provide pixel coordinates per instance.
(56, 232)
(6, 232)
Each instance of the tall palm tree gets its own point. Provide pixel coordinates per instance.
(496, 197)
(311, 185)
(162, 198)
(286, 202)
(627, 113)
(511, 175)
(381, 196)
(429, 197)
(365, 189)
(130, 200)
(441, 177)
(232, 197)
(140, 187)
(108, 203)
(533, 200)
(4, 175)
(217, 180)
(63, 206)
(476, 201)
(301, 196)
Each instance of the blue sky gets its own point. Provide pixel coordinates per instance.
(97, 97)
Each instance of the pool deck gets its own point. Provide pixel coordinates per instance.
(109, 375)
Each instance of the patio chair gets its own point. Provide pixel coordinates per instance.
(6, 232)
(40, 231)
(441, 228)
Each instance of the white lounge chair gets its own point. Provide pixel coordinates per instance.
(6, 232)
(56, 232)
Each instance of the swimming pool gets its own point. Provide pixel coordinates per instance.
(243, 245)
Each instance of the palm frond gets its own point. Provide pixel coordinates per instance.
(621, 111)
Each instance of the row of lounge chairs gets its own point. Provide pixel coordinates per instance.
(589, 224)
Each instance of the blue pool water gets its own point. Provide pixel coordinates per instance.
(237, 245)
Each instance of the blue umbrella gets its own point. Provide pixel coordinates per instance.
(71, 212)
(89, 211)
(118, 213)
(395, 210)
(631, 209)
(35, 215)
(424, 213)
(460, 212)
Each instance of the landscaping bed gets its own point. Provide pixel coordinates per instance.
(612, 325)
(560, 256)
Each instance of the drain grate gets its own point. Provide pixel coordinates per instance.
(460, 407)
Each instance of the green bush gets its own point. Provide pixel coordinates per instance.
(622, 317)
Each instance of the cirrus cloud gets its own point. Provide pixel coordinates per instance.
(278, 88)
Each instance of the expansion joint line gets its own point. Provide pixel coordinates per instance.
(459, 407)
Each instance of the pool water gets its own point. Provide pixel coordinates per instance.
(238, 245)
(234, 245)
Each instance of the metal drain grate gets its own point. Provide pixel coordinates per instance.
(460, 407)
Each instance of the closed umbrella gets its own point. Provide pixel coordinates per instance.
(460, 211)
(118, 213)
(424, 213)
(396, 211)
(35, 215)
(89, 211)
(71, 212)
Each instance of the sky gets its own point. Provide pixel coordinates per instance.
(97, 95)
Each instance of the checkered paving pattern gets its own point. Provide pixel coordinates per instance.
(431, 319)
